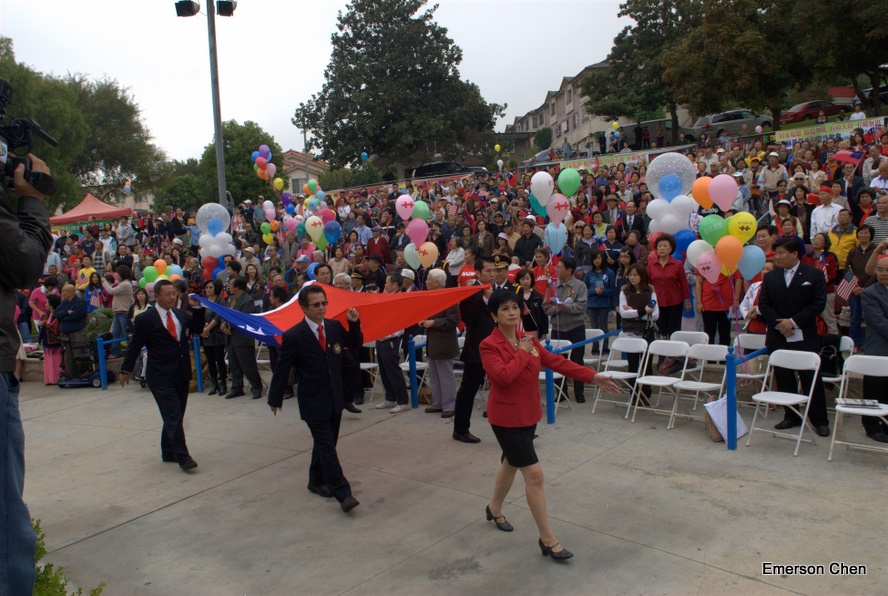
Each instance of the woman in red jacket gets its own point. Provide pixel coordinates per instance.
(512, 361)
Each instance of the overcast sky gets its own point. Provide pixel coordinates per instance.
(273, 54)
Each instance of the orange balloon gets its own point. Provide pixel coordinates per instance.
(700, 192)
(275, 225)
(160, 265)
(305, 190)
(263, 174)
(175, 276)
(729, 251)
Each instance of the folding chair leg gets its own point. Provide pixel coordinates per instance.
(832, 442)
(754, 418)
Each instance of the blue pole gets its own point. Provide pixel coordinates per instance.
(198, 369)
(411, 359)
(100, 343)
(550, 391)
(731, 372)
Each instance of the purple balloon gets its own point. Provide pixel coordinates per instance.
(264, 151)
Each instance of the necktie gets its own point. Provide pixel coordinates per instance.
(171, 326)
(321, 337)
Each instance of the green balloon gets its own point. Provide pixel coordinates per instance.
(569, 181)
(300, 229)
(143, 282)
(265, 227)
(535, 204)
(312, 185)
(150, 273)
(420, 210)
(713, 228)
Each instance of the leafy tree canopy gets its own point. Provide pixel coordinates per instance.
(543, 138)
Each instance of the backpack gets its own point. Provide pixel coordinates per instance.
(831, 360)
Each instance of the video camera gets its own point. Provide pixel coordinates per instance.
(16, 134)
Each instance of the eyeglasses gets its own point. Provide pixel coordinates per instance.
(321, 304)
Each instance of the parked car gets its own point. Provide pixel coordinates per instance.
(732, 121)
(868, 94)
(446, 168)
(809, 110)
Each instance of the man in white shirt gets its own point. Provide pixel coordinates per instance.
(880, 182)
(858, 114)
(825, 217)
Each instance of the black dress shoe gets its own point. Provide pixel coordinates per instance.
(188, 465)
(822, 431)
(784, 424)
(320, 489)
(288, 395)
(431, 410)
(561, 555)
(580, 400)
(213, 390)
(351, 408)
(878, 436)
(504, 525)
(234, 394)
(349, 503)
(169, 459)
(359, 401)
(466, 438)
(257, 395)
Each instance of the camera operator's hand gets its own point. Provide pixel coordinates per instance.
(23, 188)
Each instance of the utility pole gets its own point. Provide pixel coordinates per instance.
(217, 109)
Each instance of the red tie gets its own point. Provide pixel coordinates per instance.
(321, 337)
(171, 326)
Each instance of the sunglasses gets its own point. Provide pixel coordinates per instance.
(321, 304)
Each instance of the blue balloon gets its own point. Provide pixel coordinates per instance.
(255, 156)
(364, 156)
(683, 239)
(214, 226)
(218, 270)
(535, 205)
(752, 262)
(320, 194)
(268, 159)
(616, 134)
(312, 204)
(290, 209)
(311, 270)
(332, 231)
(555, 237)
(174, 270)
(670, 186)
(300, 229)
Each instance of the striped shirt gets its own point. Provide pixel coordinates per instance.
(880, 225)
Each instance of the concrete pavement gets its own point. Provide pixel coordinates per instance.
(645, 510)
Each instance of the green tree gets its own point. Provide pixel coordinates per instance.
(542, 138)
(633, 80)
(240, 177)
(183, 189)
(393, 89)
(362, 175)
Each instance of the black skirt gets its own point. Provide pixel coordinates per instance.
(517, 445)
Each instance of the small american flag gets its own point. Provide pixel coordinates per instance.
(847, 285)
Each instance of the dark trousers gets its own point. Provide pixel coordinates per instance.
(786, 381)
(670, 319)
(216, 363)
(351, 378)
(717, 321)
(388, 358)
(171, 401)
(325, 469)
(243, 364)
(574, 335)
(473, 378)
(875, 388)
(598, 320)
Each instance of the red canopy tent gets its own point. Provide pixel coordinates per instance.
(90, 206)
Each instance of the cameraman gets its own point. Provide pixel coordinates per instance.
(25, 243)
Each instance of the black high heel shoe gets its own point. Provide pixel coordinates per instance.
(503, 525)
(561, 555)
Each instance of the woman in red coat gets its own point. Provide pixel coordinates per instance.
(512, 361)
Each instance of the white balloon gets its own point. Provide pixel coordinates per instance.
(228, 250)
(214, 251)
(697, 248)
(658, 209)
(223, 238)
(268, 205)
(682, 205)
(671, 224)
(211, 211)
(542, 186)
(206, 240)
(655, 227)
(671, 163)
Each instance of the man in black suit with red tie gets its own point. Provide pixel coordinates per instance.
(313, 349)
(165, 330)
(792, 296)
(632, 220)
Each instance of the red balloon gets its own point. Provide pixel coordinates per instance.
(207, 275)
(210, 263)
(261, 162)
(653, 242)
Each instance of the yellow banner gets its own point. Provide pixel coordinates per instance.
(830, 130)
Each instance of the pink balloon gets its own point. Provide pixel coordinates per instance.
(404, 206)
(709, 266)
(327, 215)
(557, 208)
(291, 225)
(271, 169)
(270, 215)
(418, 231)
(723, 191)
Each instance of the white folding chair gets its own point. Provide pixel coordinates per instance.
(260, 361)
(750, 342)
(560, 380)
(663, 348)
(793, 360)
(371, 367)
(622, 344)
(692, 338)
(589, 358)
(704, 354)
(870, 366)
(846, 348)
(421, 367)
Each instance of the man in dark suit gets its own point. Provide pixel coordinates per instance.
(874, 301)
(479, 325)
(313, 349)
(632, 220)
(614, 215)
(164, 330)
(851, 184)
(792, 295)
(242, 347)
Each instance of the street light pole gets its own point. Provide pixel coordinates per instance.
(217, 110)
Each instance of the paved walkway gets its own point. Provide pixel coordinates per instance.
(644, 509)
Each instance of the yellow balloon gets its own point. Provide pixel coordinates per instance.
(267, 238)
(742, 226)
(616, 125)
(428, 254)
(496, 148)
(278, 184)
(314, 225)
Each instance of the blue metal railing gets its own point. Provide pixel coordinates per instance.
(732, 361)
(412, 346)
(103, 369)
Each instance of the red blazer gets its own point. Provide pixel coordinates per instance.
(514, 399)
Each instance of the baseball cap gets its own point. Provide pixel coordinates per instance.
(502, 235)
(720, 150)
(301, 259)
(177, 241)
(738, 174)
(773, 154)
(250, 249)
(248, 202)
(784, 202)
(408, 273)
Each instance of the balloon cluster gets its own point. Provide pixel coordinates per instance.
(721, 249)
(264, 168)
(321, 226)
(158, 271)
(215, 242)
(546, 202)
(127, 187)
(418, 252)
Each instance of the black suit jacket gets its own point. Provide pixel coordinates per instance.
(244, 304)
(169, 362)
(318, 371)
(852, 190)
(637, 224)
(479, 325)
(802, 301)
